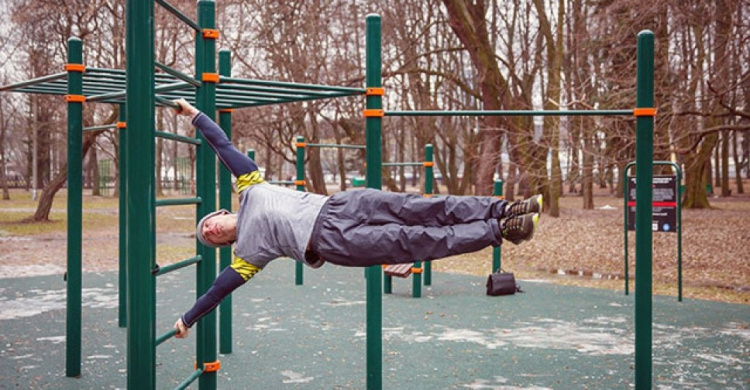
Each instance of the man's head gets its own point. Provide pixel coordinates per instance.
(217, 229)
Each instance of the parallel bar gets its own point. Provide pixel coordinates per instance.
(337, 146)
(37, 80)
(167, 102)
(197, 373)
(177, 73)
(161, 88)
(102, 127)
(178, 202)
(179, 15)
(177, 137)
(510, 113)
(270, 92)
(402, 164)
(313, 87)
(165, 337)
(282, 182)
(178, 265)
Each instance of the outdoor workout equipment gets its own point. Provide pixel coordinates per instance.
(143, 90)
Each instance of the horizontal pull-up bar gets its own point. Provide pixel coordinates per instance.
(280, 84)
(158, 271)
(178, 202)
(165, 337)
(402, 164)
(336, 146)
(177, 73)
(177, 137)
(510, 113)
(198, 372)
(37, 80)
(179, 14)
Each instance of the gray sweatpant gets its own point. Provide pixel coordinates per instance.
(369, 227)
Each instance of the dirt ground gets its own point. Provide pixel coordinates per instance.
(582, 247)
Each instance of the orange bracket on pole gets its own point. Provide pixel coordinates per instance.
(75, 68)
(300, 144)
(209, 367)
(211, 77)
(121, 125)
(75, 98)
(210, 33)
(428, 164)
(416, 270)
(299, 182)
(373, 112)
(644, 112)
(375, 91)
(227, 110)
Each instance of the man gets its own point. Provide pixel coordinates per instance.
(353, 228)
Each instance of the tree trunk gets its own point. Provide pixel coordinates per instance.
(737, 164)
(695, 174)
(48, 193)
(725, 163)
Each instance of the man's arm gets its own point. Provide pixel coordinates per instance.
(237, 162)
(229, 280)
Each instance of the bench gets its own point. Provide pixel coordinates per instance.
(398, 270)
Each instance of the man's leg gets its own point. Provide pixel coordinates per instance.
(368, 245)
(375, 207)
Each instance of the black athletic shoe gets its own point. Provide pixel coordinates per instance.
(519, 228)
(521, 207)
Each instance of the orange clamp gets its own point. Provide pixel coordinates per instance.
(427, 195)
(211, 77)
(416, 270)
(644, 111)
(373, 112)
(375, 91)
(501, 197)
(209, 367)
(429, 164)
(75, 68)
(121, 125)
(227, 110)
(299, 182)
(300, 144)
(210, 33)
(75, 98)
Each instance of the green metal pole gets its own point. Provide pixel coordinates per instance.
(141, 207)
(75, 200)
(679, 233)
(497, 191)
(644, 157)
(300, 165)
(428, 179)
(205, 62)
(373, 129)
(123, 218)
(225, 202)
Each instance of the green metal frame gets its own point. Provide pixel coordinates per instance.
(144, 90)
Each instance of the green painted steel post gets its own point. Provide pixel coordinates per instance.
(625, 227)
(373, 129)
(75, 200)
(300, 165)
(251, 154)
(141, 207)
(644, 157)
(497, 191)
(123, 218)
(225, 202)
(679, 233)
(429, 177)
(205, 63)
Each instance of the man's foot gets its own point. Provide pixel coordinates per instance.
(521, 207)
(519, 228)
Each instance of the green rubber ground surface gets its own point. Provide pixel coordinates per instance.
(313, 336)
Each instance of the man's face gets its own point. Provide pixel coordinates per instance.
(220, 229)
